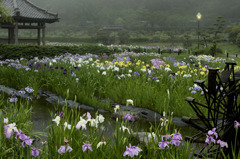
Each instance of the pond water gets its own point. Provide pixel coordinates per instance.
(41, 118)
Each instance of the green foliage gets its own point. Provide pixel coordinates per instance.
(212, 35)
(123, 37)
(187, 43)
(233, 33)
(238, 40)
(29, 51)
(4, 14)
(213, 50)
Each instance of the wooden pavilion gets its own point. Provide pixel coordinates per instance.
(26, 15)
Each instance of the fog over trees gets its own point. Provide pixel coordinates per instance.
(139, 14)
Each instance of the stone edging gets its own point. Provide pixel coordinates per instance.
(137, 112)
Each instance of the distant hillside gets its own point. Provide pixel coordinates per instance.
(140, 14)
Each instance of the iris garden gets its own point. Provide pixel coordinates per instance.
(148, 80)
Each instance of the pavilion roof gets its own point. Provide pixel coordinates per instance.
(25, 11)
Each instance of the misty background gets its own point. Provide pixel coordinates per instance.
(139, 14)
(134, 21)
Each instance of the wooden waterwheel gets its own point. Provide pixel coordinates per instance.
(219, 110)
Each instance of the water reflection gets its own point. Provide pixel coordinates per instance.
(41, 118)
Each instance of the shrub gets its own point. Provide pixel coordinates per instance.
(238, 40)
(28, 51)
(207, 51)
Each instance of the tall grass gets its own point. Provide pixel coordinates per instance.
(87, 80)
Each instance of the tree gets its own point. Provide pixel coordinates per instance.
(213, 34)
(4, 14)
(238, 40)
(233, 33)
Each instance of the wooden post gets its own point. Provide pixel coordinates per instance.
(16, 33)
(39, 34)
(9, 35)
(43, 34)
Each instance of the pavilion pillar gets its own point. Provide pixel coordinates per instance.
(39, 34)
(11, 35)
(16, 33)
(43, 33)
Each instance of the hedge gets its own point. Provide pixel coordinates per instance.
(29, 51)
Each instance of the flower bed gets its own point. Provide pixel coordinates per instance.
(149, 81)
(159, 84)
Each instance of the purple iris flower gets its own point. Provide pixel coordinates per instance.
(175, 142)
(73, 74)
(20, 135)
(13, 99)
(8, 133)
(29, 89)
(193, 92)
(163, 144)
(86, 146)
(167, 136)
(38, 65)
(132, 151)
(213, 132)
(18, 66)
(34, 152)
(63, 149)
(128, 117)
(30, 64)
(89, 115)
(61, 114)
(22, 91)
(136, 73)
(157, 62)
(207, 67)
(171, 76)
(154, 78)
(56, 68)
(222, 143)
(236, 124)
(27, 141)
(197, 88)
(29, 99)
(27, 69)
(210, 139)
(62, 68)
(117, 75)
(176, 136)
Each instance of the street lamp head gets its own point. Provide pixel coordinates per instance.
(199, 16)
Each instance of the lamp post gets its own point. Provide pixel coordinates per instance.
(199, 16)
